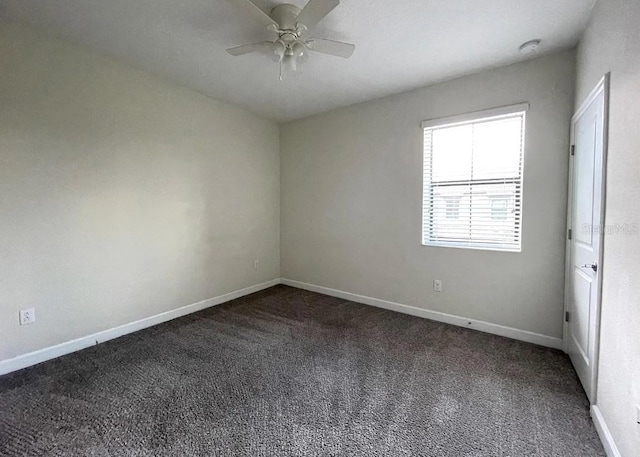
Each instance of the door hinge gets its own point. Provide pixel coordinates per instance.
(569, 233)
(566, 316)
(573, 149)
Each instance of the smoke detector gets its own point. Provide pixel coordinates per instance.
(529, 47)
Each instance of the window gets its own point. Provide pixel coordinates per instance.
(499, 208)
(472, 189)
(453, 207)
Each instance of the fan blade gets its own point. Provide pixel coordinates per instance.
(315, 11)
(256, 13)
(247, 48)
(334, 48)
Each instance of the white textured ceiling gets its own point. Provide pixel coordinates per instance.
(400, 44)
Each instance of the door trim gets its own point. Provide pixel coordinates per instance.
(601, 87)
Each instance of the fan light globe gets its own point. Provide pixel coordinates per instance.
(289, 62)
(279, 48)
(298, 49)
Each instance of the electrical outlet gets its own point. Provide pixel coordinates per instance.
(27, 316)
(437, 285)
(255, 265)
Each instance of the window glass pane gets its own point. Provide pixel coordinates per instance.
(484, 212)
(496, 147)
(485, 226)
(443, 225)
(451, 153)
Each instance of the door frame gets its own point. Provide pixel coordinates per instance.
(601, 88)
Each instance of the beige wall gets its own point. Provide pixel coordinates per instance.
(122, 196)
(612, 43)
(352, 197)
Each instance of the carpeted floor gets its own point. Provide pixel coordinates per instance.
(290, 372)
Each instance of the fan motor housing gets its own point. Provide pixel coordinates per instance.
(285, 15)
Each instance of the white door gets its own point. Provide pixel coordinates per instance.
(586, 224)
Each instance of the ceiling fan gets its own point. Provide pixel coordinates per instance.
(292, 24)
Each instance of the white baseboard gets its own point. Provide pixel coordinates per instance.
(603, 432)
(42, 355)
(509, 332)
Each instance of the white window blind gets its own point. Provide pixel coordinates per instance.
(472, 187)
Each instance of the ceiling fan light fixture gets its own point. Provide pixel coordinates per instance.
(291, 24)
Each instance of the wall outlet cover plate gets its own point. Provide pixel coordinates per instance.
(27, 316)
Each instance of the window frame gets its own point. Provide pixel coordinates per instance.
(468, 118)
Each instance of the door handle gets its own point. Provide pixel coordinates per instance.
(593, 266)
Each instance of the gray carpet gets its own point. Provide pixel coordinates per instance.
(290, 372)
